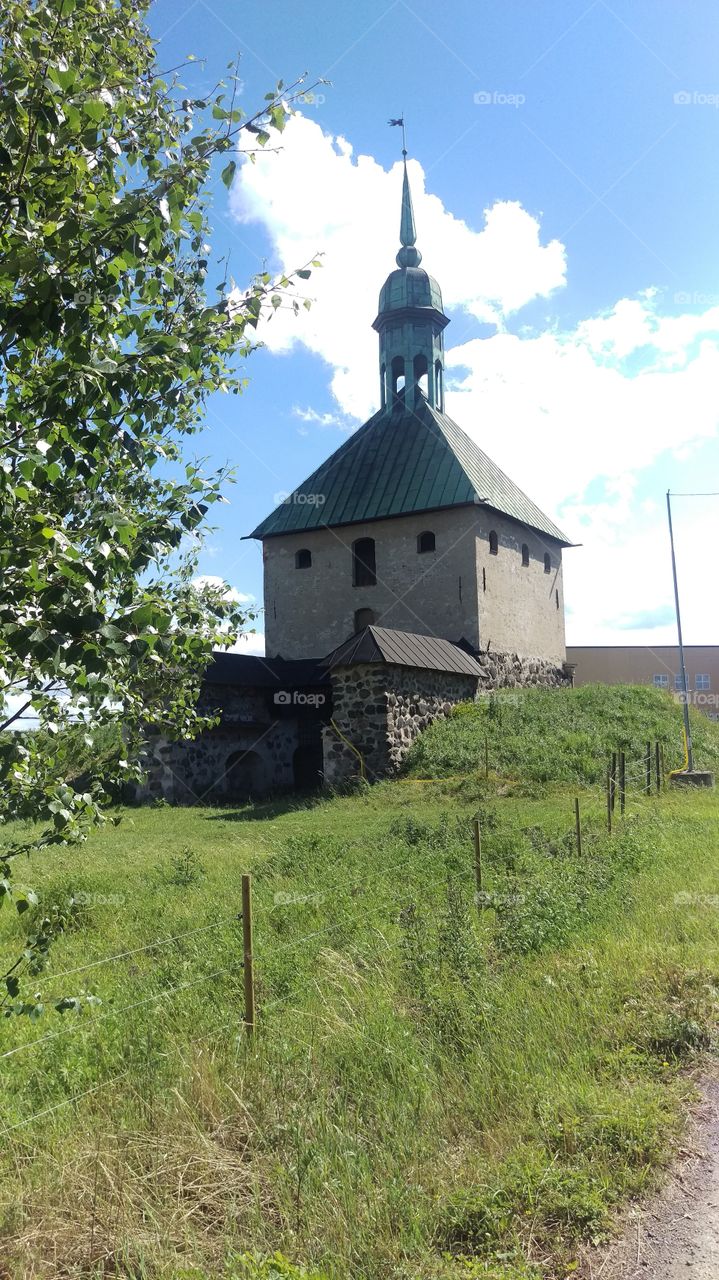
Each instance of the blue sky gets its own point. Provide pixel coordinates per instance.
(584, 306)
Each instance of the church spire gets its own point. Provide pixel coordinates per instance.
(408, 256)
(410, 321)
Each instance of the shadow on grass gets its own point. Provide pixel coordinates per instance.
(271, 807)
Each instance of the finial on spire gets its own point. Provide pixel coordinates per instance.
(408, 255)
(400, 122)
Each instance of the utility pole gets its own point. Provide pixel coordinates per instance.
(687, 725)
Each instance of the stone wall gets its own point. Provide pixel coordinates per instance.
(380, 710)
(309, 612)
(458, 591)
(521, 607)
(511, 671)
(247, 754)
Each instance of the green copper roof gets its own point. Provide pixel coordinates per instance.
(409, 255)
(409, 287)
(400, 462)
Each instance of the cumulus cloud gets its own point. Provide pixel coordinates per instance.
(576, 415)
(231, 594)
(250, 642)
(315, 195)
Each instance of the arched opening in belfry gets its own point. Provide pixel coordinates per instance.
(439, 385)
(421, 375)
(398, 378)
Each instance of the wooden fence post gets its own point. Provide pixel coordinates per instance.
(613, 781)
(247, 954)
(649, 769)
(609, 798)
(578, 826)
(478, 861)
(622, 781)
(657, 762)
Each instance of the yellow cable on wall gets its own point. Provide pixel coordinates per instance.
(352, 747)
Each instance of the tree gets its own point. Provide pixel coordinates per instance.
(109, 348)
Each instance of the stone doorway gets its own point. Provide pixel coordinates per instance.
(243, 776)
(307, 761)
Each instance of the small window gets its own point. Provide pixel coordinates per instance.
(703, 684)
(679, 683)
(493, 543)
(425, 542)
(364, 569)
(363, 618)
(303, 559)
(661, 681)
(484, 579)
(525, 555)
(547, 562)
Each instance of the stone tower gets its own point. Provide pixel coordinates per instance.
(409, 525)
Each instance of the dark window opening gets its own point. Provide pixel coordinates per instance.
(363, 618)
(364, 568)
(556, 598)
(525, 555)
(484, 579)
(493, 543)
(425, 541)
(439, 385)
(547, 562)
(303, 559)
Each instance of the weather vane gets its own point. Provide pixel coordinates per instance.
(400, 123)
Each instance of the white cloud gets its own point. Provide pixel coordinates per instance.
(249, 642)
(318, 419)
(231, 594)
(315, 195)
(559, 410)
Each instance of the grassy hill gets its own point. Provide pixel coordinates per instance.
(438, 1088)
(563, 735)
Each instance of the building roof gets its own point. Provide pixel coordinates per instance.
(403, 649)
(403, 461)
(250, 671)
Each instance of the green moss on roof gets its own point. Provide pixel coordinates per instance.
(401, 462)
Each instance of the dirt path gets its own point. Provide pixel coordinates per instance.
(676, 1233)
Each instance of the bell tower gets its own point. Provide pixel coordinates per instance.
(410, 322)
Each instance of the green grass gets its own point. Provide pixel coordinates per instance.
(433, 1091)
(563, 735)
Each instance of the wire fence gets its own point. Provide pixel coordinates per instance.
(429, 866)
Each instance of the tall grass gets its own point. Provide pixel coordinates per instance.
(560, 735)
(433, 1091)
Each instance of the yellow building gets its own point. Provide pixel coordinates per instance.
(657, 665)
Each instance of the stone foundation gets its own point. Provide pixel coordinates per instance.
(245, 755)
(379, 710)
(509, 671)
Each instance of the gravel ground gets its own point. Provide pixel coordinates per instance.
(676, 1233)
